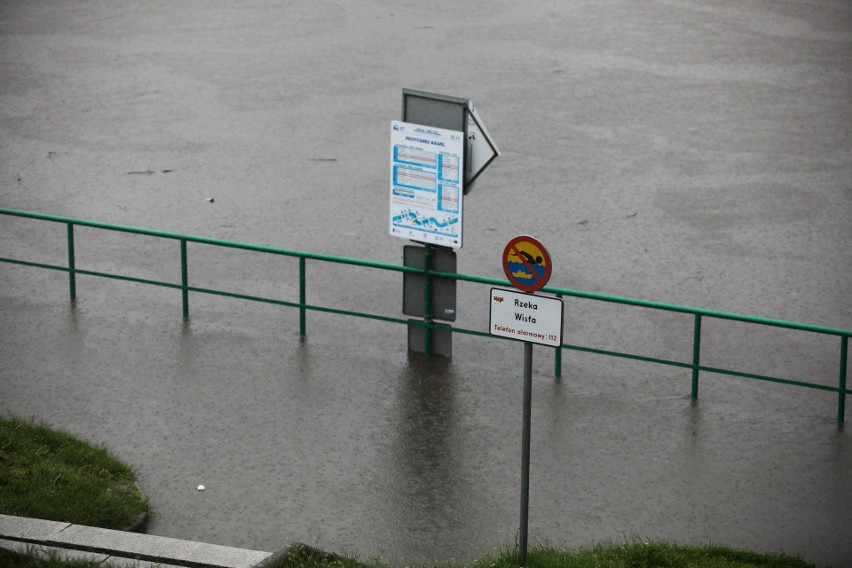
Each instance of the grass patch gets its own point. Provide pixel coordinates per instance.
(657, 554)
(49, 474)
(635, 555)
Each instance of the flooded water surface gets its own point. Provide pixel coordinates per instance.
(694, 153)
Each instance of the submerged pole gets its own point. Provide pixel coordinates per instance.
(525, 455)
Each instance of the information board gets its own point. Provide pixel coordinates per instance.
(426, 168)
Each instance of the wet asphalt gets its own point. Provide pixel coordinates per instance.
(694, 153)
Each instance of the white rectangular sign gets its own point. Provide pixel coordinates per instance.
(526, 317)
(426, 168)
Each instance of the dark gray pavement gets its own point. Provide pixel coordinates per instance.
(688, 152)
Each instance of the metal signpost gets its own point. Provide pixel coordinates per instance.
(429, 297)
(438, 149)
(531, 319)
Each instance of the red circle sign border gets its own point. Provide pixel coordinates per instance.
(548, 267)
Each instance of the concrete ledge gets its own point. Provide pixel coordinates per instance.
(23, 528)
(73, 555)
(114, 545)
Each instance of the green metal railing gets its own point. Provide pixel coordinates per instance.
(698, 314)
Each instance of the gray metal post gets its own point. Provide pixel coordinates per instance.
(525, 455)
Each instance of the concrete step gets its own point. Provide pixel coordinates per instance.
(123, 548)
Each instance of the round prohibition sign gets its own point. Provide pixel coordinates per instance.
(526, 263)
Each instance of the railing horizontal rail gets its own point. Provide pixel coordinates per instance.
(655, 305)
(303, 306)
(364, 315)
(209, 241)
(434, 273)
(716, 370)
(704, 312)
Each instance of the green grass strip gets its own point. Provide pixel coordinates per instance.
(49, 474)
(629, 555)
(636, 555)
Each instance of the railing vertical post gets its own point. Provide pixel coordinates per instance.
(841, 396)
(557, 358)
(696, 355)
(184, 279)
(302, 295)
(72, 270)
(427, 300)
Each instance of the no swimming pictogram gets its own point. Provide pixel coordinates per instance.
(526, 263)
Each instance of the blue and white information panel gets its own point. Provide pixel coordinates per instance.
(426, 169)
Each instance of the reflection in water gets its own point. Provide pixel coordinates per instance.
(428, 478)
